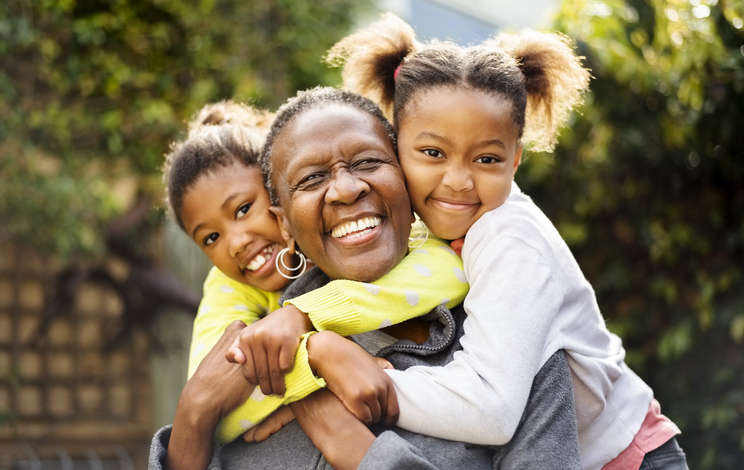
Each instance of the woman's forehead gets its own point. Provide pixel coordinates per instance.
(331, 127)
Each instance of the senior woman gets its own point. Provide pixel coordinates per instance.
(330, 159)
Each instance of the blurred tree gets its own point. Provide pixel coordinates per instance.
(93, 91)
(647, 187)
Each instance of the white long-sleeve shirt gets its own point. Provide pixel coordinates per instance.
(528, 298)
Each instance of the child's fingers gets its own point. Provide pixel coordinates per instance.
(391, 406)
(287, 356)
(384, 363)
(276, 376)
(235, 355)
(249, 367)
(263, 375)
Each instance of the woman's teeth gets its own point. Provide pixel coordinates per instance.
(260, 258)
(355, 229)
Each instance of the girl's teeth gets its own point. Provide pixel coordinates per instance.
(261, 259)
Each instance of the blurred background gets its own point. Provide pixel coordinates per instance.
(98, 291)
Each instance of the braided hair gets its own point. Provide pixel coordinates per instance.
(538, 72)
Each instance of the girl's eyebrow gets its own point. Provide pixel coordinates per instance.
(227, 201)
(496, 142)
(432, 135)
(485, 143)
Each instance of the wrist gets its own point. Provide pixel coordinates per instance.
(299, 317)
(197, 409)
(317, 349)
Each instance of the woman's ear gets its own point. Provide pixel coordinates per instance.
(284, 228)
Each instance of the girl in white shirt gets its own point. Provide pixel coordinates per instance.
(462, 116)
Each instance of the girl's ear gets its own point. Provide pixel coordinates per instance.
(284, 228)
(517, 158)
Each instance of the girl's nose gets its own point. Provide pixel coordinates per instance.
(345, 188)
(458, 178)
(239, 242)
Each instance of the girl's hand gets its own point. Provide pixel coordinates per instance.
(266, 349)
(355, 377)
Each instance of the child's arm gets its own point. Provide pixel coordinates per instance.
(479, 397)
(427, 277)
(224, 301)
(430, 276)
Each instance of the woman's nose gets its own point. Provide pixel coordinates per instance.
(458, 178)
(345, 188)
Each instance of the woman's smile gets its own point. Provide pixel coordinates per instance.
(342, 192)
(360, 230)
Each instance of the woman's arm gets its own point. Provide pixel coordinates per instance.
(216, 387)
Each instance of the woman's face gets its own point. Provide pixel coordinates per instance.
(226, 212)
(342, 192)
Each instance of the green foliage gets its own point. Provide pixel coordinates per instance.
(92, 92)
(647, 186)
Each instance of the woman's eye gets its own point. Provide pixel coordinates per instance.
(433, 153)
(211, 238)
(242, 210)
(488, 159)
(311, 180)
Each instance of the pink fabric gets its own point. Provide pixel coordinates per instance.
(397, 71)
(655, 431)
(456, 246)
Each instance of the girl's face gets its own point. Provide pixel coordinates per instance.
(226, 213)
(459, 151)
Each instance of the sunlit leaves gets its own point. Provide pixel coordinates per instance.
(94, 84)
(647, 186)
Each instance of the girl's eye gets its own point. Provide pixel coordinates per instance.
(242, 210)
(488, 159)
(211, 238)
(433, 153)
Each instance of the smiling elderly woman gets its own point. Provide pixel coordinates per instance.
(330, 162)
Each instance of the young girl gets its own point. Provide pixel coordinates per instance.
(462, 115)
(216, 195)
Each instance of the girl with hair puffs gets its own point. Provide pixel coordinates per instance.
(215, 192)
(462, 116)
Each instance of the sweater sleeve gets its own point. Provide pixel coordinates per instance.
(224, 301)
(481, 394)
(429, 276)
(300, 383)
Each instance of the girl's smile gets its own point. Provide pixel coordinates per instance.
(459, 150)
(226, 212)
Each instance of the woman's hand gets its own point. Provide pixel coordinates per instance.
(215, 389)
(276, 421)
(266, 349)
(339, 435)
(355, 377)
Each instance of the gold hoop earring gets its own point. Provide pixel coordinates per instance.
(418, 241)
(301, 267)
